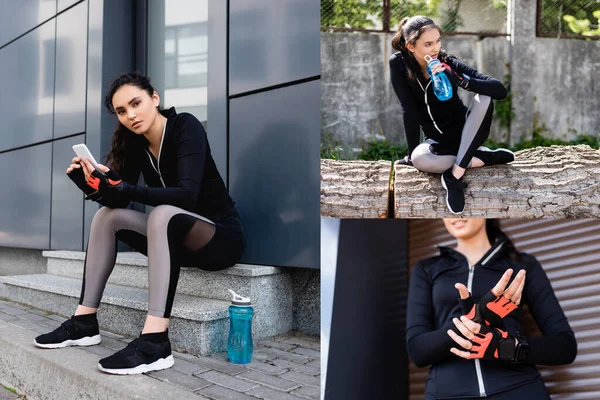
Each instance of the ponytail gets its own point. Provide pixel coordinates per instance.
(494, 232)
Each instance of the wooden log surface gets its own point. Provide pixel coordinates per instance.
(355, 189)
(556, 182)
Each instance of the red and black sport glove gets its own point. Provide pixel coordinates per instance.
(490, 310)
(493, 344)
(459, 80)
(78, 177)
(106, 182)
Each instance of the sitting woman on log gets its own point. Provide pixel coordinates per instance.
(454, 133)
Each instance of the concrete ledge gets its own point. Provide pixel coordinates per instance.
(71, 374)
(15, 261)
(355, 189)
(556, 182)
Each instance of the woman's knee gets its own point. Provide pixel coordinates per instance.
(425, 161)
(107, 215)
(160, 216)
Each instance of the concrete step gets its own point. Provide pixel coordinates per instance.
(71, 373)
(131, 269)
(269, 288)
(198, 325)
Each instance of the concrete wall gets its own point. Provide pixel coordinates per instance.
(358, 102)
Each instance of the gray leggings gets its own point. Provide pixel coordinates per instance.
(475, 131)
(163, 236)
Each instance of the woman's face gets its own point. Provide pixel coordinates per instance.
(465, 228)
(135, 108)
(428, 43)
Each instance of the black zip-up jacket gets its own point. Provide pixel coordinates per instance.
(185, 165)
(441, 121)
(433, 302)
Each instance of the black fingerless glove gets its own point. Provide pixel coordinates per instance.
(78, 177)
(490, 310)
(493, 344)
(405, 161)
(455, 78)
(108, 182)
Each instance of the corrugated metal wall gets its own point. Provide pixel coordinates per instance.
(568, 252)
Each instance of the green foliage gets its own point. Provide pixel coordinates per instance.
(499, 4)
(583, 26)
(10, 389)
(364, 13)
(451, 19)
(382, 150)
(540, 141)
(330, 148)
(554, 11)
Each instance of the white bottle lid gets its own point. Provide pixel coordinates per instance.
(238, 300)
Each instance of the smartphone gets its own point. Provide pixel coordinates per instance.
(83, 152)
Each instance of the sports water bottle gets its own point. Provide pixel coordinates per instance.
(441, 85)
(239, 345)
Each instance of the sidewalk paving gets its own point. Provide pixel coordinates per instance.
(283, 367)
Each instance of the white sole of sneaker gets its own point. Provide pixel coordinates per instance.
(157, 365)
(495, 150)
(447, 203)
(86, 341)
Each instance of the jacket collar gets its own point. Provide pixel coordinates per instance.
(168, 114)
(495, 252)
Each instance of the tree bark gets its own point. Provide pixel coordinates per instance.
(355, 189)
(556, 181)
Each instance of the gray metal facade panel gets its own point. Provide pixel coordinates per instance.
(217, 85)
(27, 82)
(274, 174)
(272, 42)
(67, 200)
(70, 83)
(18, 17)
(25, 211)
(62, 4)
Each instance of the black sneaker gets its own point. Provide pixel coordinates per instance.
(149, 352)
(493, 157)
(455, 192)
(79, 330)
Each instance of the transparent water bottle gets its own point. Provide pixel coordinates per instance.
(441, 85)
(239, 345)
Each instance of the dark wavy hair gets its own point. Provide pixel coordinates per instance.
(123, 139)
(494, 232)
(410, 30)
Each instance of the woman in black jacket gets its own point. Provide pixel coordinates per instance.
(475, 346)
(194, 220)
(454, 134)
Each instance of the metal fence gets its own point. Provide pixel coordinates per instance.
(568, 18)
(474, 17)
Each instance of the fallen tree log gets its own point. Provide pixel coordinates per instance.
(556, 181)
(355, 189)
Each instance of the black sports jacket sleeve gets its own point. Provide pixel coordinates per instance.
(410, 115)
(479, 83)
(130, 174)
(425, 344)
(557, 345)
(191, 157)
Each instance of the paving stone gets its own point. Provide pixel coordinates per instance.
(315, 363)
(57, 317)
(302, 368)
(99, 351)
(310, 392)
(301, 378)
(309, 342)
(43, 313)
(220, 365)
(7, 317)
(217, 392)
(266, 367)
(23, 323)
(299, 358)
(189, 367)
(14, 311)
(272, 394)
(50, 324)
(262, 356)
(268, 380)
(278, 345)
(228, 381)
(314, 354)
(33, 317)
(187, 381)
(112, 335)
(112, 343)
